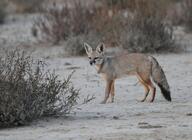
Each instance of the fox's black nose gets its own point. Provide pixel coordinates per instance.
(92, 62)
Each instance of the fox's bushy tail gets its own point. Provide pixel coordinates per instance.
(159, 78)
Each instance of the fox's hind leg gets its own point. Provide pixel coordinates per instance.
(107, 90)
(145, 87)
(112, 92)
(153, 90)
(146, 91)
(145, 79)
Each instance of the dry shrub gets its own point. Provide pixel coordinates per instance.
(137, 25)
(132, 5)
(187, 20)
(27, 6)
(175, 13)
(62, 23)
(74, 44)
(108, 23)
(2, 11)
(147, 30)
(59, 23)
(28, 91)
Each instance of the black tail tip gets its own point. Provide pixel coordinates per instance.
(166, 93)
(168, 98)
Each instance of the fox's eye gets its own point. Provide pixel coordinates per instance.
(96, 58)
(89, 57)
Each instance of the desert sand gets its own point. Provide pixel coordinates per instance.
(126, 118)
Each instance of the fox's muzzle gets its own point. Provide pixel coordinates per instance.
(92, 62)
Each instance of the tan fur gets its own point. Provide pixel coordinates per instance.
(111, 68)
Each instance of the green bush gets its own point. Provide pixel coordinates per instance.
(28, 91)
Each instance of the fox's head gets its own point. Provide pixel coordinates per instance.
(96, 56)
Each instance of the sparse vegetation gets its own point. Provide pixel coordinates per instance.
(138, 26)
(151, 36)
(187, 6)
(147, 30)
(2, 11)
(27, 6)
(74, 45)
(57, 24)
(28, 91)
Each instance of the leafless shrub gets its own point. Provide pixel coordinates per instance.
(148, 35)
(28, 91)
(74, 44)
(59, 23)
(2, 11)
(175, 13)
(147, 30)
(187, 6)
(27, 6)
(137, 25)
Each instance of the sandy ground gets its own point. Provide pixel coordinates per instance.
(126, 118)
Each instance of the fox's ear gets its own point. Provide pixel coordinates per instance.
(100, 48)
(88, 48)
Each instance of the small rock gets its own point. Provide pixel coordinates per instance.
(67, 64)
(189, 114)
(115, 117)
(183, 125)
(142, 123)
(72, 68)
(148, 126)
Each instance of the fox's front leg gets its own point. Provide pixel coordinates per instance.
(112, 92)
(107, 90)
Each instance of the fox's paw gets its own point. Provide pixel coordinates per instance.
(140, 100)
(112, 100)
(151, 101)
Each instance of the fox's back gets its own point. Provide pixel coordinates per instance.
(131, 58)
(130, 64)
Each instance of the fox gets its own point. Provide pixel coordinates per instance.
(145, 67)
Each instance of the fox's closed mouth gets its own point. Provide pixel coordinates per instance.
(92, 62)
